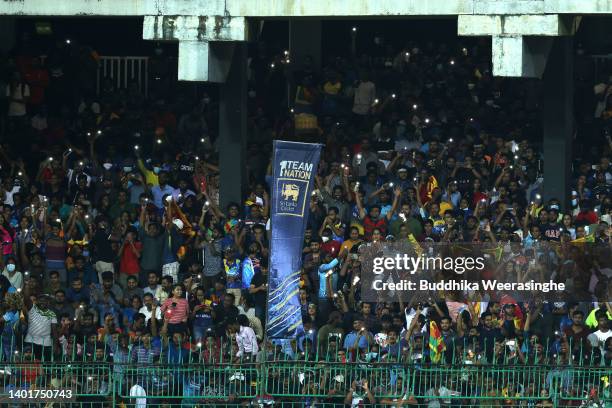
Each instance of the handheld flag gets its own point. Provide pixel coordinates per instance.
(436, 342)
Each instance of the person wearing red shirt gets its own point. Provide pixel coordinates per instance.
(129, 253)
(175, 311)
(329, 244)
(38, 79)
(586, 214)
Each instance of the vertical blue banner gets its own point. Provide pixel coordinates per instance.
(294, 168)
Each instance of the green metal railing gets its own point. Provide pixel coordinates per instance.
(161, 373)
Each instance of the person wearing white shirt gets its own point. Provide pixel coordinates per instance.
(365, 95)
(147, 309)
(603, 333)
(18, 94)
(245, 338)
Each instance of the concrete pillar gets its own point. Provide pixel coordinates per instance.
(232, 129)
(558, 121)
(7, 34)
(204, 61)
(305, 40)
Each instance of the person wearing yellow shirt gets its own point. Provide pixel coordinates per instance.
(349, 243)
(150, 175)
(591, 320)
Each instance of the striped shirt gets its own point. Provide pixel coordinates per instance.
(175, 310)
(39, 326)
(145, 355)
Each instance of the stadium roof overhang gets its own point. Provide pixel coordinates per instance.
(522, 30)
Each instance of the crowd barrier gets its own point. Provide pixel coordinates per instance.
(154, 374)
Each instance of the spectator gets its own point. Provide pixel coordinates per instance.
(12, 274)
(129, 253)
(42, 327)
(175, 310)
(245, 338)
(424, 152)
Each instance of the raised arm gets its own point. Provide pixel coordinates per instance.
(362, 212)
(396, 199)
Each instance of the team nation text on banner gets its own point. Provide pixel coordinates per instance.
(294, 168)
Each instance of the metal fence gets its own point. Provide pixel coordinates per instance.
(124, 70)
(166, 373)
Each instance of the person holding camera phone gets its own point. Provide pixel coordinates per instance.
(359, 394)
(175, 311)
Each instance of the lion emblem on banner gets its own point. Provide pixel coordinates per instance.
(290, 191)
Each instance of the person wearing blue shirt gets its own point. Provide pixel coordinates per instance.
(327, 281)
(452, 194)
(161, 190)
(325, 268)
(10, 318)
(83, 270)
(358, 339)
(77, 292)
(250, 265)
(172, 351)
(309, 334)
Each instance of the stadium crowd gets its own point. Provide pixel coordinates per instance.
(114, 240)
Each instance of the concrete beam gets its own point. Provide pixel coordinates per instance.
(111, 7)
(195, 28)
(245, 8)
(532, 25)
(509, 7)
(518, 56)
(300, 8)
(204, 61)
(582, 7)
(349, 8)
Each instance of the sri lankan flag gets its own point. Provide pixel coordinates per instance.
(187, 230)
(586, 239)
(436, 342)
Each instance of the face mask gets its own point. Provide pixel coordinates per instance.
(127, 169)
(108, 166)
(574, 203)
(156, 170)
(252, 94)
(324, 239)
(10, 267)
(129, 184)
(85, 253)
(206, 101)
(471, 86)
